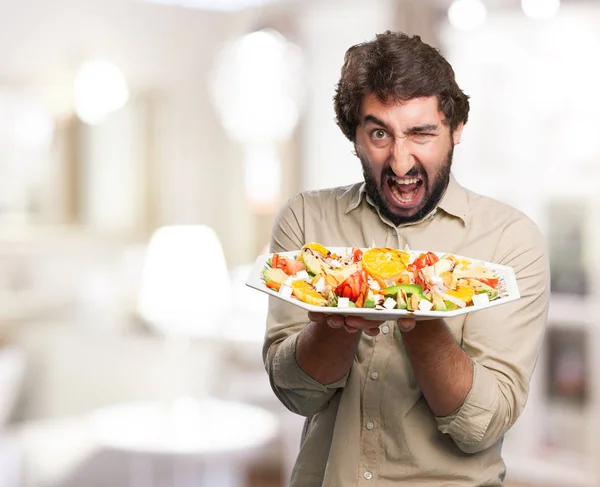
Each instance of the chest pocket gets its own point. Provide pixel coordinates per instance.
(403, 388)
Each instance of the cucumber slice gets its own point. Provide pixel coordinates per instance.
(311, 261)
(491, 292)
(369, 303)
(370, 300)
(409, 289)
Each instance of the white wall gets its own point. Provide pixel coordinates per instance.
(326, 31)
(166, 54)
(531, 140)
(531, 133)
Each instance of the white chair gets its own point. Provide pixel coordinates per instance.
(12, 370)
(184, 293)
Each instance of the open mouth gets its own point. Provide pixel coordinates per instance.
(405, 192)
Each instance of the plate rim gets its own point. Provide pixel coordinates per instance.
(254, 281)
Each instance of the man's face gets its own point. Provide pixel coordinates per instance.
(406, 153)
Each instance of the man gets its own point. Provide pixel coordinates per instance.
(405, 403)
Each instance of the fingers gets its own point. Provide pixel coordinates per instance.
(358, 322)
(351, 324)
(333, 321)
(372, 331)
(316, 317)
(336, 321)
(406, 324)
(350, 329)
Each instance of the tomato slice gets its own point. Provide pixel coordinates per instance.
(364, 290)
(356, 255)
(275, 261)
(293, 266)
(353, 287)
(420, 261)
(289, 266)
(493, 283)
(424, 260)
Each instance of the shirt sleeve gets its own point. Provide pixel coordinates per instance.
(299, 392)
(503, 343)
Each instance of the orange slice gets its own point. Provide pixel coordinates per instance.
(465, 293)
(306, 293)
(384, 264)
(317, 247)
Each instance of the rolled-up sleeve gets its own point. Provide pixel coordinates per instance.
(296, 390)
(503, 343)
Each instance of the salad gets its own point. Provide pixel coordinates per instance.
(382, 278)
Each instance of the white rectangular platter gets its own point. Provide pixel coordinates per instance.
(508, 291)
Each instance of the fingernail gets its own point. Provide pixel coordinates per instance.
(333, 322)
(405, 324)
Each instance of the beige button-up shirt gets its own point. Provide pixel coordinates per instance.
(374, 427)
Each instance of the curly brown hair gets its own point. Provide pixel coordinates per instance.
(396, 67)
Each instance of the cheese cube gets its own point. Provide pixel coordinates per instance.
(343, 302)
(425, 305)
(320, 285)
(285, 291)
(289, 280)
(480, 299)
(390, 303)
(302, 275)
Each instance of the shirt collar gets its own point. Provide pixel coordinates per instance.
(356, 198)
(454, 202)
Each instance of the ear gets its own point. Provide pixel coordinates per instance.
(457, 134)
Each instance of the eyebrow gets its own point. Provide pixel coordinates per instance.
(427, 127)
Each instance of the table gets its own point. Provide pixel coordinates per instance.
(208, 440)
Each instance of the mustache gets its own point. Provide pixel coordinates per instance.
(413, 173)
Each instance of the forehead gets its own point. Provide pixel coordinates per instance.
(414, 111)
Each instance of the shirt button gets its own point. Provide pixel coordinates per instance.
(375, 375)
(394, 232)
(370, 425)
(385, 329)
(368, 475)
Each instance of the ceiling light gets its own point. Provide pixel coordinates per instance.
(256, 87)
(100, 89)
(540, 9)
(214, 5)
(467, 14)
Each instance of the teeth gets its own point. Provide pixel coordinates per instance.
(401, 198)
(405, 181)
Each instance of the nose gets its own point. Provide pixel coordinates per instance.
(401, 157)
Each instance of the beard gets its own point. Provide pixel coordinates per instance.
(434, 189)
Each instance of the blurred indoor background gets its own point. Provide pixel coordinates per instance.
(145, 147)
